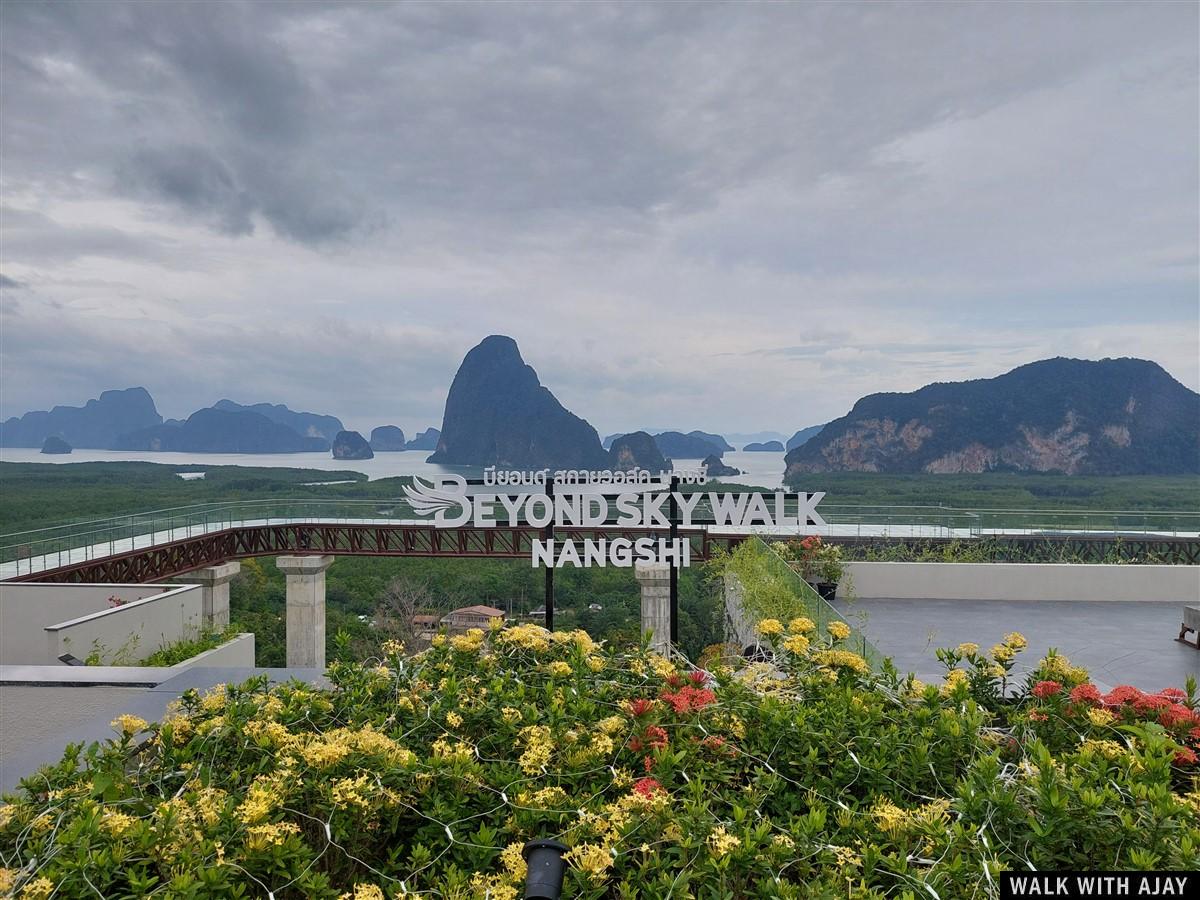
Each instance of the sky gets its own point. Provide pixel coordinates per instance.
(733, 217)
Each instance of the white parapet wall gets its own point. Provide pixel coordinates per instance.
(1021, 581)
(123, 622)
(132, 631)
(235, 653)
(27, 609)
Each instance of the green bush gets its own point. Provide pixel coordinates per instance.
(425, 775)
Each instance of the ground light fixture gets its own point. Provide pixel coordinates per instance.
(544, 869)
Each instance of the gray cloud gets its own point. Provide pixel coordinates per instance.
(747, 214)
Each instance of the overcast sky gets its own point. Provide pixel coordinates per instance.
(721, 216)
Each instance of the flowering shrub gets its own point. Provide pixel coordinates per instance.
(813, 559)
(815, 777)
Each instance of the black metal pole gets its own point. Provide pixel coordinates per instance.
(548, 534)
(674, 513)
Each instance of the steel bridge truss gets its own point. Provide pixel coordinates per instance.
(175, 558)
(169, 560)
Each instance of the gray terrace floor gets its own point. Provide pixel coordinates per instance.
(39, 720)
(1118, 642)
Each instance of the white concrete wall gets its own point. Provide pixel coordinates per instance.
(26, 609)
(128, 633)
(235, 653)
(1022, 581)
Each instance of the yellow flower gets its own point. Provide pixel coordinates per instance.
(326, 751)
(592, 860)
(546, 798)
(453, 719)
(559, 669)
(954, 678)
(721, 842)
(214, 700)
(511, 714)
(1002, 653)
(393, 647)
(839, 630)
(1108, 749)
(595, 663)
(460, 751)
(469, 642)
(1016, 640)
(260, 837)
(846, 857)
(487, 887)
(210, 802)
(768, 627)
(260, 800)
(611, 725)
(841, 659)
(1100, 717)
(352, 792)
(968, 648)
(117, 823)
(801, 625)
(439, 640)
(513, 860)
(529, 637)
(38, 889)
(796, 644)
(538, 747)
(128, 725)
(663, 668)
(8, 878)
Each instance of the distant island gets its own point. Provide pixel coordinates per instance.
(717, 469)
(219, 431)
(98, 423)
(55, 445)
(351, 445)
(764, 447)
(387, 438)
(1071, 416)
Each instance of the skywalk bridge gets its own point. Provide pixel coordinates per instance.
(163, 544)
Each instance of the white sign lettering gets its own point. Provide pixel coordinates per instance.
(586, 504)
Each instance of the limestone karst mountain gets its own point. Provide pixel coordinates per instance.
(1071, 416)
(499, 413)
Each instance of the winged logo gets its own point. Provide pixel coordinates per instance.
(427, 499)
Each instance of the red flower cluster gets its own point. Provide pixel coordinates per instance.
(1044, 689)
(689, 698)
(640, 707)
(647, 787)
(1185, 757)
(1122, 693)
(1177, 714)
(1165, 707)
(1086, 694)
(653, 737)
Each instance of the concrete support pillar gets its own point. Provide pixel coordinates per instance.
(214, 593)
(305, 609)
(655, 581)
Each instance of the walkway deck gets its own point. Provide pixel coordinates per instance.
(1118, 642)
